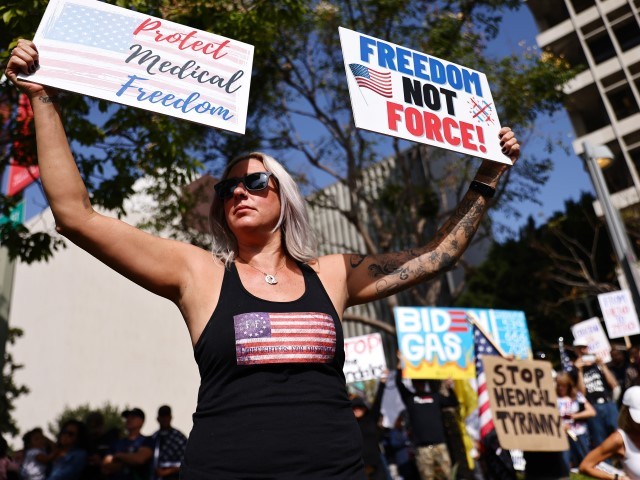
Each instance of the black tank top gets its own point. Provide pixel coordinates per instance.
(272, 402)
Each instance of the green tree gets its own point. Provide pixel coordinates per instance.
(552, 272)
(111, 415)
(10, 389)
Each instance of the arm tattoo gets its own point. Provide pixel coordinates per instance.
(47, 99)
(356, 260)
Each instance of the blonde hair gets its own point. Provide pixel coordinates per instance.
(298, 238)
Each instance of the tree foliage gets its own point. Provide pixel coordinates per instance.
(110, 414)
(10, 389)
(552, 272)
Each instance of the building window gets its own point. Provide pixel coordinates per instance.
(601, 47)
(580, 5)
(627, 33)
(623, 102)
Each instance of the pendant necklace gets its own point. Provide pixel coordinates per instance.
(270, 279)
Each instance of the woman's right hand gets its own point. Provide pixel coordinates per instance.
(24, 59)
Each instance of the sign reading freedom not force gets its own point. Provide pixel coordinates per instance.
(418, 97)
(108, 52)
(522, 398)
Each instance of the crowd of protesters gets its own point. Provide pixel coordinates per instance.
(86, 450)
(591, 401)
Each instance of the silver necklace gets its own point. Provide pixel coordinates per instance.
(269, 278)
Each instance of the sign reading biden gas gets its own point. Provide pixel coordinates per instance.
(418, 97)
(438, 342)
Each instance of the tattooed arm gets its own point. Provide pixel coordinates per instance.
(370, 277)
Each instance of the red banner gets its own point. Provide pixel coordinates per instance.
(22, 168)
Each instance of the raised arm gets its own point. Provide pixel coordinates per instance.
(154, 263)
(369, 277)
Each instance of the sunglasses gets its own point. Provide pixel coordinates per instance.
(253, 182)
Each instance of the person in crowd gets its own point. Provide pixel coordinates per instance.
(34, 464)
(574, 409)
(368, 421)
(596, 382)
(168, 447)
(256, 399)
(618, 367)
(633, 368)
(99, 444)
(9, 468)
(424, 408)
(129, 458)
(68, 458)
(398, 449)
(624, 443)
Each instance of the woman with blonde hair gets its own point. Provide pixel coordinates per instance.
(623, 443)
(574, 410)
(264, 310)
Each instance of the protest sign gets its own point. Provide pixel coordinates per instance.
(364, 358)
(408, 94)
(438, 342)
(522, 398)
(591, 330)
(619, 313)
(108, 52)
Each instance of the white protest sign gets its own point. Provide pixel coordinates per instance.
(591, 330)
(115, 54)
(408, 94)
(619, 313)
(364, 358)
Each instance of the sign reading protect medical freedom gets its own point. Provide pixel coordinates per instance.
(115, 54)
(404, 93)
(438, 342)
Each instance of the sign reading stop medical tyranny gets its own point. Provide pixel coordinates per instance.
(116, 54)
(405, 93)
(523, 404)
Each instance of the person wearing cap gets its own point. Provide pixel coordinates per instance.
(623, 443)
(168, 448)
(596, 382)
(130, 456)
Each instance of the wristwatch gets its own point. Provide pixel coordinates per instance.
(487, 191)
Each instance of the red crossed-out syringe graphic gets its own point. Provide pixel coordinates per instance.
(481, 110)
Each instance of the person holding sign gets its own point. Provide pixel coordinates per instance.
(264, 312)
(624, 443)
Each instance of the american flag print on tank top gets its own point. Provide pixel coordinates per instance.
(297, 337)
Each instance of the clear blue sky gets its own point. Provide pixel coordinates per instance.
(568, 178)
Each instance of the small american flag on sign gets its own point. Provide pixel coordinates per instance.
(459, 322)
(379, 82)
(298, 337)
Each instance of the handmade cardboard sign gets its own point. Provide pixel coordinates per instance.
(523, 404)
(364, 358)
(108, 52)
(408, 94)
(619, 313)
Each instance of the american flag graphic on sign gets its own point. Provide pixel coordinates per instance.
(459, 322)
(98, 49)
(483, 347)
(379, 82)
(297, 337)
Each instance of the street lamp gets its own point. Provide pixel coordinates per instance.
(596, 158)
